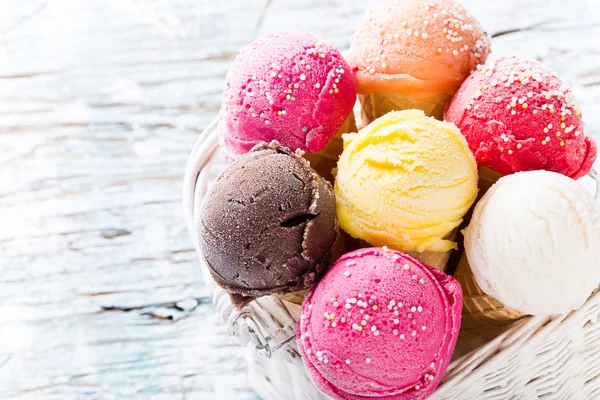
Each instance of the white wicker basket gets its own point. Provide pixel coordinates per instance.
(537, 357)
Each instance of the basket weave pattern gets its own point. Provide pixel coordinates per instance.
(537, 357)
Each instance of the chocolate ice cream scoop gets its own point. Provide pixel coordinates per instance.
(268, 224)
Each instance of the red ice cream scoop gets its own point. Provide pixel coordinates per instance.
(517, 115)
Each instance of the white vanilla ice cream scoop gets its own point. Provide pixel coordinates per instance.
(534, 243)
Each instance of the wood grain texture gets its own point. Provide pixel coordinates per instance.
(100, 103)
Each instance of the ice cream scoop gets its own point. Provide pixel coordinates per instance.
(517, 115)
(379, 325)
(292, 87)
(268, 224)
(414, 54)
(405, 181)
(534, 243)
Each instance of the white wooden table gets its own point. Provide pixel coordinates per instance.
(100, 102)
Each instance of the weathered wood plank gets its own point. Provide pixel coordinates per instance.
(100, 104)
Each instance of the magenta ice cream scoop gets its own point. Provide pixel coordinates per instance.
(292, 87)
(380, 325)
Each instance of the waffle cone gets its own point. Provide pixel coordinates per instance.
(433, 258)
(482, 314)
(487, 178)
(325, 161)
(294, 297)
(375, 105)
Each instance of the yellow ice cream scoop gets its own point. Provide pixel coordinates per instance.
(405, 181)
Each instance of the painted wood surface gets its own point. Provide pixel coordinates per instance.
(101, 296)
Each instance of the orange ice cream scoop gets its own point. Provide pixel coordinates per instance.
(415, 54)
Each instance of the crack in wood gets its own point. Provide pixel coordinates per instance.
(114, 233)
(261, 18)
(520, 29)
(168, 305)
(21, 21)
(5, 361)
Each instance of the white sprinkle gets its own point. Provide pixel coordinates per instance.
(414, 333)
(347, 361)
(402, 336)
(368, 360)
(373, 328)
(396, 321)
(424, 327)
(302, 77)
(422, 281)
(424, 35)
(347, 274)
(413, 309)
(419, 309)
(406, 267)
(308, 351)
(395, 332)
(348, 306)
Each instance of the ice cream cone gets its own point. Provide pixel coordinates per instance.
(375, 105)
(487, 178)
(325, 161)
(294, 297)
(365, 116)
(437, 260)
(482, 314)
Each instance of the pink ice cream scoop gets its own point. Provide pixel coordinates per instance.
(517, 115)
(380, 325)
(292, 87)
